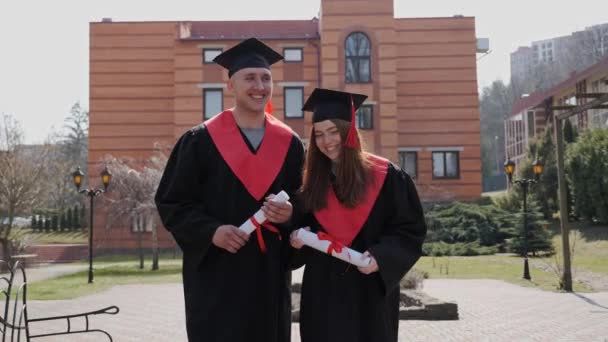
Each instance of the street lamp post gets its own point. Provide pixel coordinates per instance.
(525, 183)
(106, 177)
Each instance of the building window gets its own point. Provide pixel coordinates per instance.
(210, 54)
(141, 223)
(365, 117)
(213, 102)
(531, 119)
(408, 160)
(294, 100)
(446, 165)
(292, 54)
(358, 58)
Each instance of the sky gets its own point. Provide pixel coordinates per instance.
(44, 44)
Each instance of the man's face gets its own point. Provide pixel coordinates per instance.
(252, 88)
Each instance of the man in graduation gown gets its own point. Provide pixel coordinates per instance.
(341, 302)
(236, 287)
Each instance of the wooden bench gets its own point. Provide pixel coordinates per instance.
(15, 320)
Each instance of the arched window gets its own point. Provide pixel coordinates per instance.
(358, 53)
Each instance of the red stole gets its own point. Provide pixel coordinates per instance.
(256, 171)
(344, 223)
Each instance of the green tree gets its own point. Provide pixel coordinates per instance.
(587, 172)
(539, 237)
(76, 218)
(47, 223)
(55, 222)
(70, 219)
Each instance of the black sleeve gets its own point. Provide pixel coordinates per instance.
(400, 244)
(181, 207)
(294, 164)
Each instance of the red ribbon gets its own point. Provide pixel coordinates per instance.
(258, 230)
(334, 246)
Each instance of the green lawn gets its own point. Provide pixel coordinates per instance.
(499, 267)
(590, 246)
(75, 285)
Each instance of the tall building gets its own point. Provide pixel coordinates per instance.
(151, 81)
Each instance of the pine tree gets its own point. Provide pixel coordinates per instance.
(84, 221)
(70, 221)
(76, 218)
(64, 221)
(47, 223)
(539, 238)
(55, 222)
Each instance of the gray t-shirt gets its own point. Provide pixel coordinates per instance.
(254, 135)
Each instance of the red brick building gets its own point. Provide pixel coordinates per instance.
(151, 81)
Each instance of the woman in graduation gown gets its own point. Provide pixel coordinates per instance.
(362, 201)
(236, 288)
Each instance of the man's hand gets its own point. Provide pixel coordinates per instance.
(229, 238)
(372, 267)
(277, 212)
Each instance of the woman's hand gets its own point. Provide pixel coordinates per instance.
(372, 267)
(296, 242)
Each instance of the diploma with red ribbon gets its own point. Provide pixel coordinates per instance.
(258, 221)
(327, 244)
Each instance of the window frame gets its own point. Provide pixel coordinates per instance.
(358, 117)
(445, 168)
(402, 163)
(207, 90)
(356, 66)
(285, 60)
(285, 90)
(205, 56)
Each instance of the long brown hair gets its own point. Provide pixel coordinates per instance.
(352, 173)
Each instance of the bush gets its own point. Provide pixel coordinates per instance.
(466, 222)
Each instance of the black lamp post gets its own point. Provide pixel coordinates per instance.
(537, 167)
(106, 177)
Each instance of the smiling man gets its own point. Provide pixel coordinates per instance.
(236, 287)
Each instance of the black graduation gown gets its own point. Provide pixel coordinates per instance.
(338, 302)
(228, 297)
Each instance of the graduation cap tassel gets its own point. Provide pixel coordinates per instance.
(269, 108)
(352, 140)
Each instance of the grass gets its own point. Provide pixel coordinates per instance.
(590, 246)
(500, 267)
(75, 285)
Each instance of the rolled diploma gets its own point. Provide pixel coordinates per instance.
(259, 216)
(347, 254)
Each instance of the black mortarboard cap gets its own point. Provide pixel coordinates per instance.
(329, 104)
(250, 53)
(332, 104)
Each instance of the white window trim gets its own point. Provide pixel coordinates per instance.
(445, 149)
(293, 84)
(211, 46)
(211, 85)
(409, 149)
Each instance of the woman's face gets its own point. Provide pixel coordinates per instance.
(328, 139)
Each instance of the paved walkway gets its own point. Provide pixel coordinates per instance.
(490, 311)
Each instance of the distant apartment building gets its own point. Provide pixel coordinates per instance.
(532, 114)
(573, 52)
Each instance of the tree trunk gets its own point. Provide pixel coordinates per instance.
(140, 227)
(154, 245)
